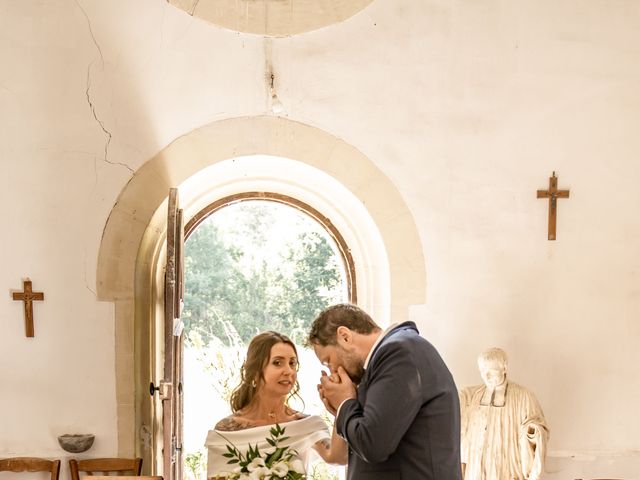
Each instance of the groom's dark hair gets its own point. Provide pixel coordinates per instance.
(324, 327)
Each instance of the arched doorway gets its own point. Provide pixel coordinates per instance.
(220, 160)
(254, 261)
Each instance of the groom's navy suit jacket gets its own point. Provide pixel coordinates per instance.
(405, 423)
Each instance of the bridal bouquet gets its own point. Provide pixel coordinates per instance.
(276, 463)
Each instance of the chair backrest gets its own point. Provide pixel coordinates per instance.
(105, 466)
(31, 464)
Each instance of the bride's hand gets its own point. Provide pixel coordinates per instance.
(336, 392)
(330, 408)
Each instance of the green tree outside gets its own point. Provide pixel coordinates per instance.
(242, 275)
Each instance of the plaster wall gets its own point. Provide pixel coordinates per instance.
(467, 107)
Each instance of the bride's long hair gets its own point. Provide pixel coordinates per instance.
(251, 377)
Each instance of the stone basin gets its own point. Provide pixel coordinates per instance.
(77, 442)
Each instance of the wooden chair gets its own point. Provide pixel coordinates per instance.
(105, 467)
(30, 464)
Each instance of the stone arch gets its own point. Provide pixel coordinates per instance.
(250, 154)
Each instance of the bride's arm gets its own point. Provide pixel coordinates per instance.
(334, 451)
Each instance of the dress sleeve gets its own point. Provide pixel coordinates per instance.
(216, 446)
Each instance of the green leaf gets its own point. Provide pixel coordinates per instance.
(277, 454)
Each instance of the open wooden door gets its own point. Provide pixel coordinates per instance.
(171, 387)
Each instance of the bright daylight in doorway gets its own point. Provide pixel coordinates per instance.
(251, 266)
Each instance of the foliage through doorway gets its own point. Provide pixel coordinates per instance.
(250, 266)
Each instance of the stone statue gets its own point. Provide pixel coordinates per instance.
(504, 433)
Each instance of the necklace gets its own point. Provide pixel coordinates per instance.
(273, 415)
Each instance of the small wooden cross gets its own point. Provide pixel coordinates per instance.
(28, 296)
(553, 194)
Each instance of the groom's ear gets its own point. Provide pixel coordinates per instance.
(344, 336)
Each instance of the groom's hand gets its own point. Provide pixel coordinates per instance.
(337, 390)
(330, 408)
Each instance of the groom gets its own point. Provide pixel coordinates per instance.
(394, 399)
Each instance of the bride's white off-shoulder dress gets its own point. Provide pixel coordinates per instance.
(303, 434)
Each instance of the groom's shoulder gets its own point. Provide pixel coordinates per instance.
(406, 338)
(401, 335)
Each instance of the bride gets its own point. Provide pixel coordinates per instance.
(268, 379)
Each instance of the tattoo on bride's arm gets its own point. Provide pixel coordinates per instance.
(230, 424)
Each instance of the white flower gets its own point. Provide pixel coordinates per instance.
(235, 473)
(256, 463)
(238, 469)
(297, 465)
(259, 473)
(280, 469)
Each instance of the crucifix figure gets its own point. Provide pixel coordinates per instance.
(28, 296)
(553, 194)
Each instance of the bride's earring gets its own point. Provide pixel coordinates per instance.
(253, 383)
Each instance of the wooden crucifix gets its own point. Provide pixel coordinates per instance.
(553, 194)
(28, 296)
